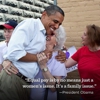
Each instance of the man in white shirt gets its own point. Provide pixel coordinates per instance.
(8, 28)
(27, 41)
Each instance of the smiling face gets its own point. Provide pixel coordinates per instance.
(50, 44)
(85, 39)
(51, 22)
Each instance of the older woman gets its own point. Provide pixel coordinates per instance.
(50, 70)
(88, 60)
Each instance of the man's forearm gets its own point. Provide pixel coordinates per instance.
(29, 58)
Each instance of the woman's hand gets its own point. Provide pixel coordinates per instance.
(42, 59)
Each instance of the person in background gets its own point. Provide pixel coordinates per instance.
(88, 60)
(8, 28)
(28, 39)
(51, 70)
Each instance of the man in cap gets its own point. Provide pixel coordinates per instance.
(8, 28)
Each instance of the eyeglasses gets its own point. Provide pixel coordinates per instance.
(48, 37)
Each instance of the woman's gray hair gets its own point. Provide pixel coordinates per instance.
(61, 37)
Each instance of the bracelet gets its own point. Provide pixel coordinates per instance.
(45, 69)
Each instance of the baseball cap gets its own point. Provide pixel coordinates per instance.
(9, 24)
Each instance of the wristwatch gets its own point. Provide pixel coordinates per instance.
(45, 69)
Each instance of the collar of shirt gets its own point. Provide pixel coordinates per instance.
(41, 27)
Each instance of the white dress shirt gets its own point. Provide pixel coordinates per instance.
(2, 46)
(28, 36)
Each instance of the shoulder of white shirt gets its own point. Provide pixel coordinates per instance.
(2, 44)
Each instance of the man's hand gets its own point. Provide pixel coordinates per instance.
(9, 67)
(61, 56)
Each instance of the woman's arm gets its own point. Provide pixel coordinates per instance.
(51, 80)
(42, 60)
(70, 62)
